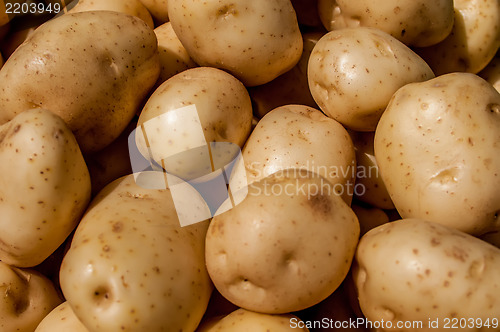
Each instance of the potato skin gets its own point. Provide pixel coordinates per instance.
(437, 150)
(44, 196)
(256, 41)
(282, 251)
(435, 273)
(27, 297)
(353, 73)
(92, 69)
(131, 266)
(61, 319)
(415, 23)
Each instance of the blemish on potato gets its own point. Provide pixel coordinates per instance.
(117, 227)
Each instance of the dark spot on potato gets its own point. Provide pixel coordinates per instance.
(435, 242)
(320, 203)
(457, 253)
(117, 227)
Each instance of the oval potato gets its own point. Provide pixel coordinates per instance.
(438, 152)
(417, 271)
(61, 319)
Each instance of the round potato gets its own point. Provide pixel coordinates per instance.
(287, 246)
(61, 319)
(256, 41)
(459, 114)
(93, 69)
(131, 266)
(353, 73)
(130, 7)
(297, 136)
(222, 113)
(472, 43)
(417, 276)
(243, 320)
(27, 297)
(372, 189)
(44, 187)
(415, 23)
(491, 73)
(174, 58)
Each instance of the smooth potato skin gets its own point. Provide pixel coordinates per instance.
(27, 297)
(256, 41)
(353, 73)
(437, 148)
(93, 69)
(44, 187)
(132, 267)
(435, 273)
(61, 319)
(278, 252)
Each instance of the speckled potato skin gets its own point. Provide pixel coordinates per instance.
(473, 41)
(158, 9)
(256, 41)
(131, 267)
(174, 58)
(353, 73)
(298, 136)
(435, 273)
(223, 106)
(278, 252)
(130, 7)
(491, 73)
(44, 187)
(373, 190)
(437, 148)
(61, 319)
(242, 320)
(415, 23)
(93, 69)
(27, 297)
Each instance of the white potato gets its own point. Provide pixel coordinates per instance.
(174, 58)
(93, 69)
(491, 73)
(297, 136)
(256, 41)
(353, 73)
(412, 270)
(472, 43)
(27, 297)
(130, 7)
(44, 187)
(287, 246)
(437, 148)
(415, 23)
(61, 319)
(131, 266)
(242, 320)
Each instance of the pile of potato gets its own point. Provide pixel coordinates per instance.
(370, 152)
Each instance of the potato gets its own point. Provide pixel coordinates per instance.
(369, 217)
(174, 58)
(131, 266)
(158, 9)
(291, 87)
(130, 7)
(472, 43)
(44, 188)
(421, 275)
(92, 69)
(243, 320)
(437, 150)
(61, 319)
(373, 190)
(297, 136)
(256, 41)
(225, 115)
(491, 73)
(27, 297)
(415, 23)
(287, 246)
(353, 73)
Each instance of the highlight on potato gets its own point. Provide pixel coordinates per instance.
(266, 165)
